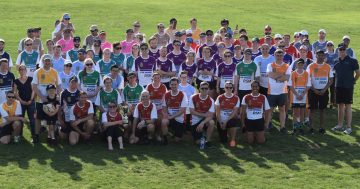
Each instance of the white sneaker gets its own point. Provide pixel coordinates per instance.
(348, 131)
(337, 128)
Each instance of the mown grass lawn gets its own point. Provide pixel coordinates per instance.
(310, 161)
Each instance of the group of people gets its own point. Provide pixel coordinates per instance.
(185, 81)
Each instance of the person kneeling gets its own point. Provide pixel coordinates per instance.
(113, 127)
(81, 119)
(254, 118)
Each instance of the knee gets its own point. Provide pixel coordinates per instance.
(211, 124)
(151, 128)
(164, 122)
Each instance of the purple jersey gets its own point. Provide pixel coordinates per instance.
(225, 72)
(255, 54)
(170, 47)
(218, 59)
(209, 66)
(191, 69)
(231, 48)
(166, 66)
(213, 47)
(177, 59)
(237, 61)
(144, 69)
(155, 55)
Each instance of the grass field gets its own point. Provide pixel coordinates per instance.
(316, 161)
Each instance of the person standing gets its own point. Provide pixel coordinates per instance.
(4, 54)
(344, 67)
(6, 79)
(28, 57)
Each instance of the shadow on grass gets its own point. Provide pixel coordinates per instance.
(332, 149)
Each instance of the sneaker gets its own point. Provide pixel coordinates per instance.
(53, 141)
(337, 128)
(348, 131)
(322, 131)
(283, 130)
(16, 139)
(208, 144)
(165, 141)
(306, 123)
(270, 125)
(48, 141)
(35, 139)
(301, 132)
(311, 131)
(232, 143)
(294, 132)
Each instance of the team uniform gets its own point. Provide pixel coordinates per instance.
(262, 64)
(300, 81)
(145, 69)
(255, 107)
(80, 112)
(191, 69)
(166, 66)
(118, 82)
(177, 59)
(119, 59)
(7, 111)
(157, 95)
(72, 55)
(104, 67)
(30, 60)
(202, 106)
(277, 90)
(114, 131)
(51, 120)
(65, 78)
(225, 72)
(155, 54)
(67, 100)
(320, 75)
(131, 95)
(77, 67)
(6, 84)
(210, 66)
(104, 97)
(143, 112)
(247, 72)
(89, 82)
(58, 64)
(218, 59)
(173, 104)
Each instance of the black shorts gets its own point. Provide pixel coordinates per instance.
(242, 93)
(141, 133)
(232, 123)
(80, 126)
(298, 105)
(6, 130)
(114, 131)
(344, 95)
(177, 127)
(67, 129)
(40, 114)
(263, 91)
(256, 125)
(318, 101)
(212, 84)
(277, 100)
(197, 135)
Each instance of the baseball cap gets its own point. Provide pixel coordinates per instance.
(209, 32)
(82, 51)
(93, 27)
(296, 33)
(330, 42)
(76, 38)
(67, 62)
(102, 32)
(73, 78)
(2, 40)
(277, 36)
(247, 50)
(51, 86)
(129, 31)
(300, 61)
(304, 32)
(346, 37)
(255, 39)
(228, 35)
(202, 34)
(131, 74)
(322, 30)
(178, 34)
(341, 46)
(47, 57)
(66, 16)
(320, 51)
(189, 40)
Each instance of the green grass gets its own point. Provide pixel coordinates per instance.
(329, 161)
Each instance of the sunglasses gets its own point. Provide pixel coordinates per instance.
(68, 65)
(177, 44)
(28, 44)
(227, 56)
(11, 97)
(117, 48)
(137, 26)
(66, 18)
(204, 88)
(89, 64)
(112, 106)
(143, 49)
(329, 45)
(342, 49)
(228, 87)
(210, 34)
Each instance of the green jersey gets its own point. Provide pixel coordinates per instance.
(89, 82)
(119, 59)
(129, 63)
(29, 60)
(104, 67)
(247, 73)
(72, 55)
(131, 95)
(104, 98)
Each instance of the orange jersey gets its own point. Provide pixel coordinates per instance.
(277, 87)
(300, 81)
(320, 74)
(157, 94)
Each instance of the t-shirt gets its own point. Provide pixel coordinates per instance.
(118, 82)
(145, 112)
(25, 88)
(119, 59)
(247, 73)
(299, 81)
(166, 66)
(129, 63)
(131, 95)
(58, 64)
(345, 72)
(77, 66)
(319, 74)
(55, 103)
(79, 112)
(174, 103)
(30, 60)
(218, 59)
(72, 55)
(277, 87)
(66, 45)
(163, 39)
(65, 78)
(177, 59)
(200, 105)
(6, 84)
(10, 111)
(227, 105)
(255, 106)
(144, 68)
(155, 53)
(225, 72)
(126, 46)
(104, 67)
(107, 117)
(67, 100)
(157, 94)
(191, 69)
(262, 64)
(43, 78)
(209, 66)
(90, 82)
(103, 98)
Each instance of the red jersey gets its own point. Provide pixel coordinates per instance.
(79, 112)
(255, 106)
(201, 105)
(111, 118)
(174, 103)
(157, 94)
(145, 112)
(291, 50)
(227, 105)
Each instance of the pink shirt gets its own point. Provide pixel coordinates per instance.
(126, 46)
(66, 45)
(105, 45)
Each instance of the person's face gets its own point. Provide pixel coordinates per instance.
(247, 55)
(4, 66)
(163, 52)
(255, 44)
(57, 50)
(287, 39)
(145, 97)
(112, 107)
(242, 41)
(320, 57)
(237, 51)
(342, 52)
(89, 65)
(156, 78)
(227, 57)
(322, 35)
(10, 97)
(161, 28)
(279, 56)
(174, 85)
(267, 31)
(209, 37)
(107, 54)
(76, 44)
(268, 41)
(217, 39)
(67, 67)
(81, 56)
(114, 71)
(190, 58)
(144, 50)
(73, 85)
(130, 35)
(153, 43)
(204, 89)
(135, 50)
(2, 45)
(183, 78)
(346, 42)
(228, 88)
(193, 23)
(281, 45)
(206, 53)
(51, 92)
(300, 66)
(303, 52)
(132, 79)
(28, 45)
(47, 63)
(102, 36)
(265, 49)
(83, 98)
(108, 83)
(255, 88)
(94, 32)
(67, 34)
(177, 45)
(49, 45)
(22, 70)
(330, 46)
(227, 40)
(117, 49)
(202, 39)
(137, 27)
(223, 32)
(97, 44)
(90, 54)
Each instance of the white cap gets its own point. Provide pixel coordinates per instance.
(278, 36)
(330, 42)
(67, 62)
(296, 33)
(322, 30)
(346, 37)
(304, 32)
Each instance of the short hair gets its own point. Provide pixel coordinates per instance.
(50, 40)
(229, 83)
(28, 39)
(191, 52)
(114, 66)
(183, 72)
(204, 83)
(82, 93)
(228, 51)
(144, 92)
(9, 92)
(258, 83)
(155, 73)
(206, 48)
(115, 44)
(150, 39)
(174, 79)
(193, 19)
(144, 44)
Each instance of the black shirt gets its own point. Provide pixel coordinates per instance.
(344, 70)
(25, 89)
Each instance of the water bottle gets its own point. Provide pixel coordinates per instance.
(202, 142)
